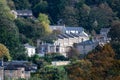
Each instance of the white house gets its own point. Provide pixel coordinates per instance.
(30, 49)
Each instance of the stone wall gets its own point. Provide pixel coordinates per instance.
(1, 73)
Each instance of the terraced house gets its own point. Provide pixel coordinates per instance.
(68, 36)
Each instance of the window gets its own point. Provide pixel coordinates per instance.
(57, 48)
(22, 72)
(11, 71)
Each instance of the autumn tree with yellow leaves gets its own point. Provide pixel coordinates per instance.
(4, 52)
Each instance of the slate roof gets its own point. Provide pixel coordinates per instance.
(104, 29)
(76, 35)
(83, 34)
(64, 35)
(28, 12)
(61, 37)
(14, 65)
(27, 45)
(61, 28)
(88, 42)
(80, 29)
(70, 35)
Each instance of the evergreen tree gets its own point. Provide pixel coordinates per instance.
(22, 4)
(9, 33)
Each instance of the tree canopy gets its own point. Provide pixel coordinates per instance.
(4, 52)
(9, 32)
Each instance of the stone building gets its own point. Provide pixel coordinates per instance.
(22, 13)
(63, 41)
(18, 69)
(1, 71)
(86, 46)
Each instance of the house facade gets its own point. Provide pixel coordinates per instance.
(30, 49)
(22, 13)
(18, 69)
(86, 46)
(1, 70)
(103, 38)
(63, 41)
(60, 63)
(68, 30)
(1, 73)
(13, 72)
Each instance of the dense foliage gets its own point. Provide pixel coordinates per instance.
(9, 32)
(90, 14)
(100, 64)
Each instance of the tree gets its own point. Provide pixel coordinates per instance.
(95, 2)
(84, 12)
(73, 53)
(102, 59)
(115, 30)
(4, 52)
(102, 14)
(40, 7)
(79, 70)
(22, 4)
(11, 4)
(9, 32)
(52, 73)
(115, 36)
(115, 5)
(70, 16)
(44, 21)
(29, 29)
(55, 9)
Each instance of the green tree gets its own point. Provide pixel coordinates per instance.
(84, 12)
(95, 2)
(79, 70)
(55, 8)
(11, 4)
(40, 7)
(115, 5)
(9, 32)
(70, 16)
(22, 4)
(102, 14)
(52, 73)
(29, 30)
(44, 21)
(115, 36)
